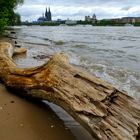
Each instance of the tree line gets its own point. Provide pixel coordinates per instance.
(7, 14)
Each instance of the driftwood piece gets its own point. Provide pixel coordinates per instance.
(18, 51)
(106, 112)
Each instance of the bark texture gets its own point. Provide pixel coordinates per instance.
(106, 112)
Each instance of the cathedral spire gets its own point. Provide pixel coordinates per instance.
(43, 15)
(46, 13)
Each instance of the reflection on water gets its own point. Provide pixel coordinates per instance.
(111, 53)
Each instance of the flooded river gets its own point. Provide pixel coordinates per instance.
(111, 53)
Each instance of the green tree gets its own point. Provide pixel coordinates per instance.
(16, 19)
(7, 14)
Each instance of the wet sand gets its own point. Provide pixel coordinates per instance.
(21, 119)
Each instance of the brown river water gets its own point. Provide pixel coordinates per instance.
(111, 53)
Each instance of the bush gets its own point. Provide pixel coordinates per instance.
(50, 24)
(7, 15)
(3, 23)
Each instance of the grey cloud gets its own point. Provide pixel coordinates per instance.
(85, 2)
(31, 10)
(126, 8)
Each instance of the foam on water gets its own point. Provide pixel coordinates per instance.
(111, 53)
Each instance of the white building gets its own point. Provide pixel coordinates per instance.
(92, 19)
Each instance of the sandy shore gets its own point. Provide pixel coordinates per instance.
(24, 120)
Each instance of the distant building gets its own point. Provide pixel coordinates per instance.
(137, 19)
(45, 17)
(87, 18)
(116, 20)
(42, 18)
(92, 19)
(60, 21)
(128, 20)
(70, 22)
(131, 20)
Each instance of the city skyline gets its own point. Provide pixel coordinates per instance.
(63, 9)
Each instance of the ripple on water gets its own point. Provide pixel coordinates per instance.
(129, 47)
(80, 46)
(39, 44)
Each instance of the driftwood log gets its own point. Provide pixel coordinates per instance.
(106, 112)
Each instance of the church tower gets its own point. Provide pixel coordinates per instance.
(46, 12)
(48, 15)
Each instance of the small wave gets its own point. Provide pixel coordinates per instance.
(133, 59)
(80, 46)
(123, 39)
(131, 37)
(40, 44)
(109, 51)
(35, 36)
(127, 47)
(117, 56)
(47, 39)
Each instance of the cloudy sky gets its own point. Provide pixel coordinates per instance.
(77, 9)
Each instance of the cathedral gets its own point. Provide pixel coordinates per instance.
(46, 17)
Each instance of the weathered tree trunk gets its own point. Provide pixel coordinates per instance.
(106, 112)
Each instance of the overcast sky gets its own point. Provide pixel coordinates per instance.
(77, 9)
